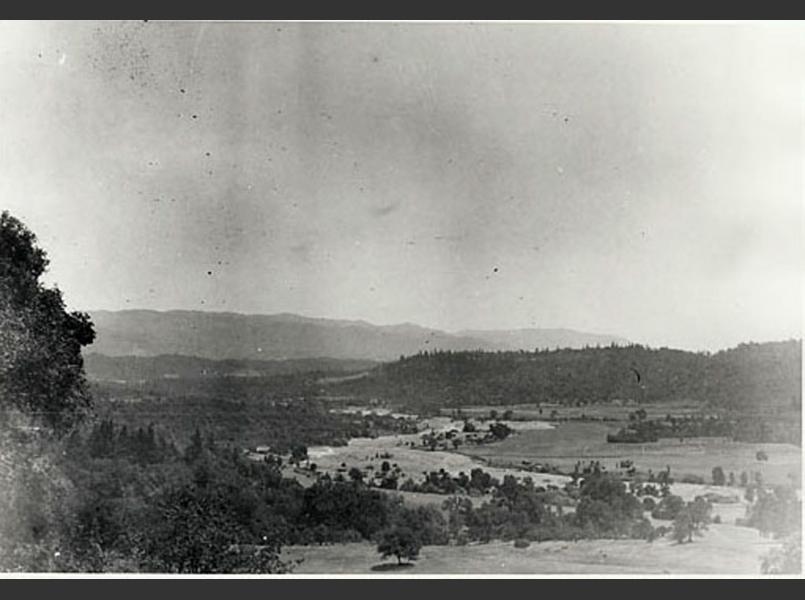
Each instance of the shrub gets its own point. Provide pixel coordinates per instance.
(668, 508)
(521, 543)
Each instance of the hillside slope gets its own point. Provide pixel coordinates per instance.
(763, 378)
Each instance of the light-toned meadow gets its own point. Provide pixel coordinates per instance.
(723, 550)
(586, 441)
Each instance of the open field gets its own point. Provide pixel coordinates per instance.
(366, 454)
(363, 453)
(573, 441)
(724, 549)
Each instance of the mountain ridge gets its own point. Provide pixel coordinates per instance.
(284, 336)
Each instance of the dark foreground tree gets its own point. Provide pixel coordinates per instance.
(41, 369)
(399, 541)
(210, 529)
(42, 392)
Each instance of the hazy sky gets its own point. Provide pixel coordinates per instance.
(641, 180)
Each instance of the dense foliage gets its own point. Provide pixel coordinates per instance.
(247, 422)
(41, 368)
(519, 510)
(736, 378)
(130, 502)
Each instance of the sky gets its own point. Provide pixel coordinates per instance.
(636, 179)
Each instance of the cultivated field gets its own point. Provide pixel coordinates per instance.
(573, 441)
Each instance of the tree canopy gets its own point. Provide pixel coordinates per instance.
(41, 368)
(401, 542)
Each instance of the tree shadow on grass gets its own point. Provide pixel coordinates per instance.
(391, 567)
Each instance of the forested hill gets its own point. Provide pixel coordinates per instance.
(764, 377)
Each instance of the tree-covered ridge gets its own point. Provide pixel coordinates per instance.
(763, 377)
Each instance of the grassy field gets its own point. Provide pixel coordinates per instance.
(572, 441)
(724, 549)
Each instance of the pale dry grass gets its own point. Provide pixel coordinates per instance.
(724, 550)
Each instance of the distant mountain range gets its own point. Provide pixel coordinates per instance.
(232, 336)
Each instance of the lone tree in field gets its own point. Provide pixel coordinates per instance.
(401, 542)
(41, 369)
(691, 520)
(718, 476)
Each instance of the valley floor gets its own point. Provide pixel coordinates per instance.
(723, 550)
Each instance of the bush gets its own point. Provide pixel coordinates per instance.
(427, 521)
(649, 504)
(606, 507)
(668, 508)
(642, 529)
(693, 479)
(657, 532)
(521, 543)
